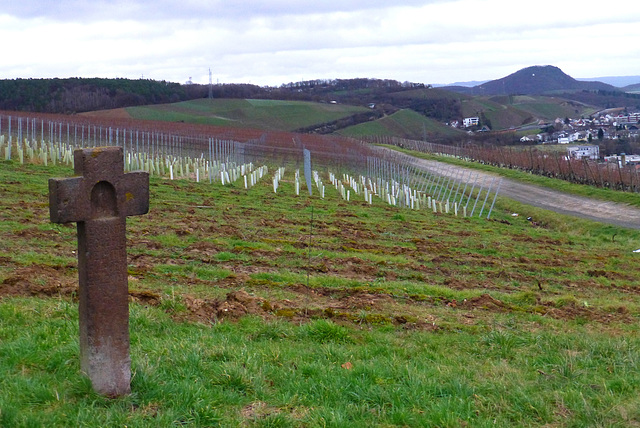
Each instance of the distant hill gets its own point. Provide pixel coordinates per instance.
(634, 89)
(469, 84)
(617, 81)
(536, 80)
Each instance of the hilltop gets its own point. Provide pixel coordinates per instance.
(536, 80)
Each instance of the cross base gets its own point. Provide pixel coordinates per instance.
(104, 306)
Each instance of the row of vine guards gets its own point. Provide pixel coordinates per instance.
(443, 188)
(391, 178)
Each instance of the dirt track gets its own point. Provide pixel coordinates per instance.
(592, 209)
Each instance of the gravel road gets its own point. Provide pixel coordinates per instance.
(605, 212)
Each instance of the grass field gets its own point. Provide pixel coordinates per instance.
(551, 108)
(501, 115)
(405, 124)
(260, 114)
(407, 318)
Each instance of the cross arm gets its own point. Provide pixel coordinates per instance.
(63, 200)
(135, 193)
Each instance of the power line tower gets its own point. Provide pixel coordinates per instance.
(210, 86)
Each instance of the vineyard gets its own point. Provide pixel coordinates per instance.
(385, 317)
(609, 175)
(243, 157)
(253, 305)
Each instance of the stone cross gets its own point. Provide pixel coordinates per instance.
(99, 199)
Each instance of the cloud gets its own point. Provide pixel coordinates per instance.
(69, 10)
(277, 41)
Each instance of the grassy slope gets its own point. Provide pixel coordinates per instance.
(405, 124)
(501, 116)
(550, 108)
(411, 319)
(507, 111)
(260, 114)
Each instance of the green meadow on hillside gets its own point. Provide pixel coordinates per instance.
(260, 114)
(403, 123)
(251, 308)
(551, 108)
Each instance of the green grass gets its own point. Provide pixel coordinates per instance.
(403, 123)
(550, 108)
(253, 373)
(502, 116)
(260, 114)
(409, 318)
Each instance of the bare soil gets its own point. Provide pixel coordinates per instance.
(116, 113)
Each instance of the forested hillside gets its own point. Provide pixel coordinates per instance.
(79, 94)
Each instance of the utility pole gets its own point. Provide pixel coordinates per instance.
(210, 86)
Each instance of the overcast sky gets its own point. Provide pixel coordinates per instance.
(270, 42)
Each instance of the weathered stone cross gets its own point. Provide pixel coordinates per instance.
(99, 200)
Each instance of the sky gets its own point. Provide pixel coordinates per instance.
(273, 42)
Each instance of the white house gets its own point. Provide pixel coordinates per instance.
(470, 121)
(570, 138)
(576, 136)
(584, 152)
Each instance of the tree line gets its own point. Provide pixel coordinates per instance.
(75, 95)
